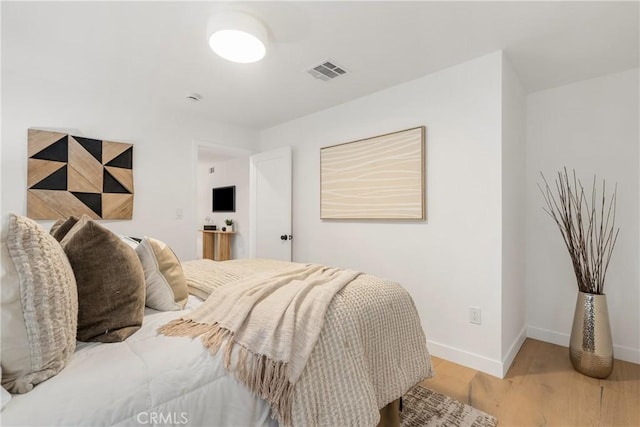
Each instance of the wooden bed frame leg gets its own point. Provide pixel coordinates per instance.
(390, 415)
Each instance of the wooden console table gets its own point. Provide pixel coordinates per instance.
(216, 245)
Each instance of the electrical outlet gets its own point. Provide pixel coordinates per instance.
(475, 316)
(179, 213)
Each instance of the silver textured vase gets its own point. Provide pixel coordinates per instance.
(591, 347)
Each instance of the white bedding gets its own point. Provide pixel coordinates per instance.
(147, 380)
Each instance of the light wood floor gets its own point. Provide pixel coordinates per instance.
(543, 389)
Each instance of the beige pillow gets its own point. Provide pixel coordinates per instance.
(110, 283)
(165, 281)
(39, 306)
(62, 227)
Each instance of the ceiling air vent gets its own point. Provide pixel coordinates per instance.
(326, 71)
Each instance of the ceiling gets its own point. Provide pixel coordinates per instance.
(158, 50)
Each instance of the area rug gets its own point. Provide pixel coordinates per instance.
(422, 407)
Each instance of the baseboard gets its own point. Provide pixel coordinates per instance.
(548, 336)
(513, 351)
(499, 368)
(461, 357)
(620, 352)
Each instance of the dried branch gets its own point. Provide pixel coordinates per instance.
(589, 237)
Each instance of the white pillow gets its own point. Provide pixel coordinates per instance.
(6, 396)
(166, 285)
(39, 306)
(129, 241)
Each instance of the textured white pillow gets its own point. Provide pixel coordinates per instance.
(166, 285)
(39, 305)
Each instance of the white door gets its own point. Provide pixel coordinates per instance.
(270, 214)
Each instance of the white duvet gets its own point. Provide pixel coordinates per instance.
(147, 380)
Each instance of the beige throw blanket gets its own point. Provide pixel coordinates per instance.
(274, 320)
(371, 350)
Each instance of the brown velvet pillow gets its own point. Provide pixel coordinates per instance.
(111, 288)
(62, 227)
(77, 226)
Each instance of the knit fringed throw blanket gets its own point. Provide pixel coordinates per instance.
(273, 320)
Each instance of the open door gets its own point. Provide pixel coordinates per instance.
(270, 201)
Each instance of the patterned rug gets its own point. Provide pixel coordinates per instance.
(422, 407)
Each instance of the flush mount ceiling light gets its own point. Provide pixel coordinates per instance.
(237, 37)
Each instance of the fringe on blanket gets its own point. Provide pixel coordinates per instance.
(265, 377)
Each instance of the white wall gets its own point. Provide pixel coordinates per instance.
(591, 126)
(453, 260)
(513, 214)
(163, 151)
(229, 172)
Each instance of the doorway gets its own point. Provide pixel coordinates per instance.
(215, 166)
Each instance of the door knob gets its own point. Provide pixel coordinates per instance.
(286, 237)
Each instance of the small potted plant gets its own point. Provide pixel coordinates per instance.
(229, 223)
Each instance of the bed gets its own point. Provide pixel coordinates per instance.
(157, 380)
(370, 352)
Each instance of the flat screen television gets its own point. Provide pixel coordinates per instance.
(224, 199)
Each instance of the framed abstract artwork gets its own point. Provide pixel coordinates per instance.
(382, 177)
(72, 175)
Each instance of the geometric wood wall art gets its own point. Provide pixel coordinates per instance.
(375, 178)
(72, 175)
